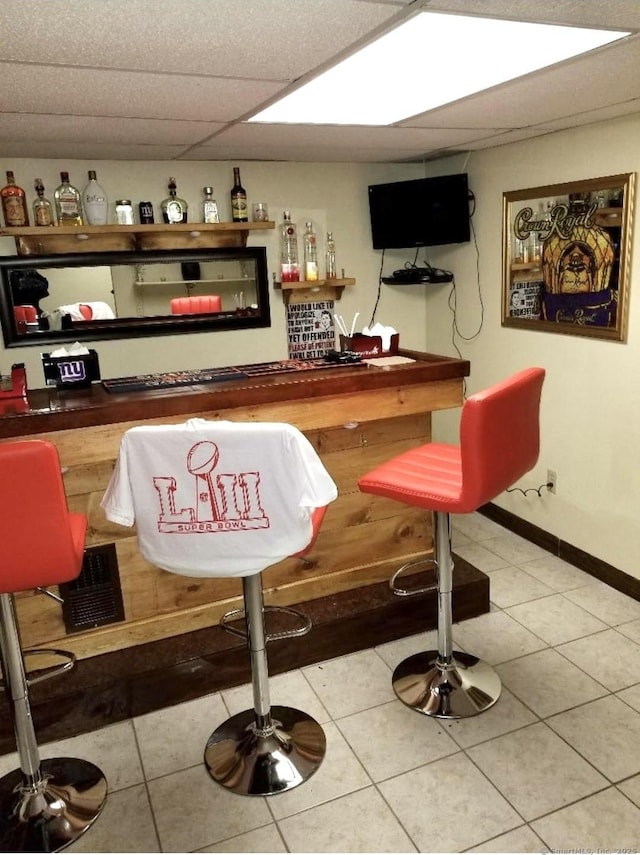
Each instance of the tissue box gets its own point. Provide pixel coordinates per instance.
(73, 372)
(369, 346)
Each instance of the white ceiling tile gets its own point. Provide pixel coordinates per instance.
(307, 154)
(70, 149)
(89, 92)
(107, 130)
(277, 39)
(614, 14)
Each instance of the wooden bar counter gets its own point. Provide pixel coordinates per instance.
(169, 646)
(356, 417)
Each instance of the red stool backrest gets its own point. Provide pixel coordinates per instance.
(196, 305)
(42, 542)
(500, 435)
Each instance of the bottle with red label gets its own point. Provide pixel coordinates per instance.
(289, 266)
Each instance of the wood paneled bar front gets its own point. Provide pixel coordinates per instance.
(355, 416)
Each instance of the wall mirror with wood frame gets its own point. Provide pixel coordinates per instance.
(89, 296)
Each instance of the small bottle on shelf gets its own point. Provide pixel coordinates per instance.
(95, 202)
(310, 254)
(210, 213)
(330, 257)
(239, 212)
(68, 203)
(174, 209)
(42, 207)
(289, 267)
(14, 203)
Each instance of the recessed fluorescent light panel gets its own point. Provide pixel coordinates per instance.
(430, 60)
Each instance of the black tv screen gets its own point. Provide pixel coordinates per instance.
(421, 212)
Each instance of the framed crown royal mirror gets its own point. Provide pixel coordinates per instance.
(566, 257)
(89, 296)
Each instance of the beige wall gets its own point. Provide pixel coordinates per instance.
(591, 399)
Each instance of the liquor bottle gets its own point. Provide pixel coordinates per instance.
(310, 254)
(330, 257)
(42, 207)
(210, 213)
(239, 213)
(289, 267)
(14, 203)
(174, 209)
(94, 202)
(68, 203)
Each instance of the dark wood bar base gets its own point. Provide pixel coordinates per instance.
(115, 686)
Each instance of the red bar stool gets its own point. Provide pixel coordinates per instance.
(499, 442)
(44, 805)
(224, 499)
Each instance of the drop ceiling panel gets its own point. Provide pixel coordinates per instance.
(70, 150)
(277, 39)
(90, 92)
(307, 154)
(614, 14)
(106, 130)
(606, 76)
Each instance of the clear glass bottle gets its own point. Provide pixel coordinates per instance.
(310, 254)
(210, 213)
(289, 267)
(42, 207)
(68, 203)
(330, 257)
(174, 209)
(239, 212)
(95, 202)
(14, 203)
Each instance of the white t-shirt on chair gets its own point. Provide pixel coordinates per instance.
(218, 498)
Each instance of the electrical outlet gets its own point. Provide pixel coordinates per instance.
(552, 480)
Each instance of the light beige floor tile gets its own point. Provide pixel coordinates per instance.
(555, 619)
(595, 655)
(631, 789)
(458, 539)
(631, 630)
(556, 573)
(514, 549)
(480, 557)
(393, 652)
(605, 822)
(193, 811)
(536, 771)
(606, 732)
(125, 825)
(392, 738)
(287, 690)
(175, 737)
(476, 526)
(511, 585)
(548, 683)
(265, 839)
(505, 715)
(631, 696)
(351, 683)
(521, 839)
(340, 773)
(495, 637)
(605, 603)
(112, 749)
(431, 801)
(359, 822)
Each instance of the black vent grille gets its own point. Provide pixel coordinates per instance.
(94, 598)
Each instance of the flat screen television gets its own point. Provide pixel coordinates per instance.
(421, 212)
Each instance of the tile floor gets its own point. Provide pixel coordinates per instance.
(554, 765)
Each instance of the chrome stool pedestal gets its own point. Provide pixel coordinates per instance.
(265, 750)
(45, 805)
(445, 683)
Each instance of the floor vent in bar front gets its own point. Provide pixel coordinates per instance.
(94, 598)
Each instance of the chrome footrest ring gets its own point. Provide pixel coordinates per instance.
(404, 592)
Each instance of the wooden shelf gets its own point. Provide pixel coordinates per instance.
(308, 292)
(54, 240)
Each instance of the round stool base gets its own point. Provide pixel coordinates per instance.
(466, 688)
(246, 761)
(49, 817)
